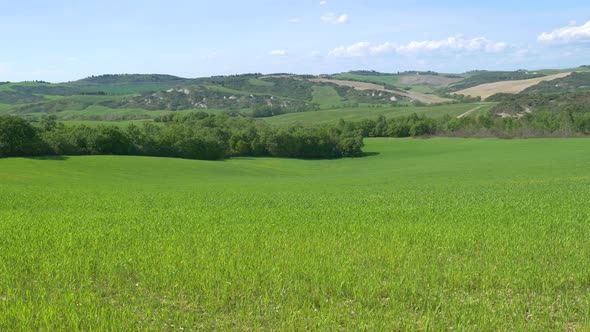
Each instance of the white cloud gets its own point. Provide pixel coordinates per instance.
(459, 43)
(335, 19)
(294, 20)
(354, 50)
(278, 53)
(452, 43)
(386, 47)
(323, 3)
(569, 34)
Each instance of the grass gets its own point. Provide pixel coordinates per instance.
(360, 113)
(258, 82)
(434, 234)
(5, 108)
(326, 97)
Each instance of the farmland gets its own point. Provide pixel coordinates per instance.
(367, 112)
(440, 234)
(486, 90)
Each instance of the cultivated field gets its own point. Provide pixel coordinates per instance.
(422, 97)
(433, 80)
(441, 234)
(361, 113)
(486, 90)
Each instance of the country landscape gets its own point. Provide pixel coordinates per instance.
(387, 199)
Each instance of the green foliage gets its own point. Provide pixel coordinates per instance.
(19, 138)
(574, 82)
(16, 97)
(526, 102)
(131, 79)
(191, 136)
(540, 124)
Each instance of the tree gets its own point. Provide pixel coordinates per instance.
(19, 138)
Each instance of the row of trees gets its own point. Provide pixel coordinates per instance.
(203, 136)
(539, 124)
(195, 136)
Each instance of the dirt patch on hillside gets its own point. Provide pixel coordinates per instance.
(486, 90)
(433, 80)
(428, 99)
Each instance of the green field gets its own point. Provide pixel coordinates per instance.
(439, 234)
(326, 97)
(367, 112)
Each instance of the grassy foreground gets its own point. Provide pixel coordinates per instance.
(422, 234)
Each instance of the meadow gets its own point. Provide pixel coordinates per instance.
(332, 116)
(439, 234)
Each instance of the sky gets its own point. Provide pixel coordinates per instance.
(64, 40)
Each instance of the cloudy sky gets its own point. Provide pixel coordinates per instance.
(63, 40)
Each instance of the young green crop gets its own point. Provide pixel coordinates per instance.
(372, 112)
(434, 234)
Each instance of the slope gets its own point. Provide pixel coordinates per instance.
(486, 90)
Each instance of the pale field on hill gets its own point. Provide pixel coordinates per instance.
(486, 90)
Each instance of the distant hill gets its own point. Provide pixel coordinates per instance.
(476, 78)
(509, 86)
(518, 105)
(125, 79)
(141, 96)
(572, 83)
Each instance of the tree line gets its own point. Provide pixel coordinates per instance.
(538, 124)
(193, 136)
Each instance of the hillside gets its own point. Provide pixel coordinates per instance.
(519, 105)
(414, 81)
(125, 79)
(250, 94)
(406, 95)
(479, 77)
(577, 81)
(139, 97)
(513, 86)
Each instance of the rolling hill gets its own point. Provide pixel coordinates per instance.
(486, 90)
(139, 97)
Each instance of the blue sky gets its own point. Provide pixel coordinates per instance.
(63, 40)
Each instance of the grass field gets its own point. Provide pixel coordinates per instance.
(326, 97)
(360, 113)
(5, 108)
(436, 234)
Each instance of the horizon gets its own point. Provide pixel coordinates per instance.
(295, 74)
(66, 41)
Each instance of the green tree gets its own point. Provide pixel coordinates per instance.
(19, 138)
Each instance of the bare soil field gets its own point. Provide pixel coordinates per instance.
(486, 90)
